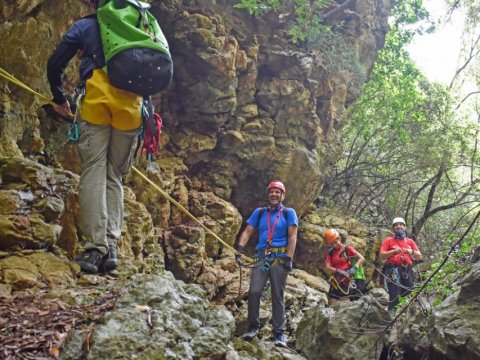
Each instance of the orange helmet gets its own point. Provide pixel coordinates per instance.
(276, 184)
(331, 235)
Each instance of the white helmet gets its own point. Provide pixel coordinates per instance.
(398, 220)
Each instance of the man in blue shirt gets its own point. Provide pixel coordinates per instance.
(277, 237)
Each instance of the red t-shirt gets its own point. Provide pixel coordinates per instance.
(337, 259)
(400, 258)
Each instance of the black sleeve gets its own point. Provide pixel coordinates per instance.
(56, 66)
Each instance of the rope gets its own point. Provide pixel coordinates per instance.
(12, 79)
(339, 287)
(186, 212)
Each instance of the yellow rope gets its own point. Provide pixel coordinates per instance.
(11, 78)
(337, 286)
(14, 80)
(186, 212)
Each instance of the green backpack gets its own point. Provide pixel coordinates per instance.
(136, 52)
(359, 274)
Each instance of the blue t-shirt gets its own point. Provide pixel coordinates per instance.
(280, 235)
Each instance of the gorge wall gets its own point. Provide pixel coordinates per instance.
(246, 106)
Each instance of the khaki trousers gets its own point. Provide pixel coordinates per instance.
(106, 155)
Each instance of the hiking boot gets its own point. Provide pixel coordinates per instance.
(251, 332)
(90, 260)
(279, 339)
(110, 260)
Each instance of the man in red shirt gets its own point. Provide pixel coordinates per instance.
(399, 252)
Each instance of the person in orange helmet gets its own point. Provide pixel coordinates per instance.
(338, 264)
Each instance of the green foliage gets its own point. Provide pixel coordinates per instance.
(308, 21)
(304, 17)
(408, 12)
(407, 153)
(258, 7)
(459, 263)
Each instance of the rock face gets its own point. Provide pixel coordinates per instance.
(451, 330)
(351, 330)
(246, 106)
(39, 207)
(160, 318)
(254, 106)
(34, 270)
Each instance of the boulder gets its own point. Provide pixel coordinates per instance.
(451, 329)
(348, 331)
(159, 318)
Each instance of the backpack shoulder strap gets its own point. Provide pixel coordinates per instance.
(285, 215)
(330, 251)
(260, 214)
(345, 253)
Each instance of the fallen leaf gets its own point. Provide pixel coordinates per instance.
(54, 352)
(142, 308)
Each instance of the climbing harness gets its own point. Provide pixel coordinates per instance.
(265, 262)
(392, 274)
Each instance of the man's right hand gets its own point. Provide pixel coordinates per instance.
(64, 110)
(341, 272)
(238, 257)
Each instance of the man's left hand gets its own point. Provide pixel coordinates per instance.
(351, 270)
(288, 263)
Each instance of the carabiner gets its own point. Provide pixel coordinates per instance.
(73, 133)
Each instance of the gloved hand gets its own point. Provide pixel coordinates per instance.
(287, 263)
(352, 270)
(238, 257)
(341, 272)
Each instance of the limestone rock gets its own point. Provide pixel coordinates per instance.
(452, 327)
(221, 217)
(185, 251)
(36, 270)
(161, 318)
(348, 331)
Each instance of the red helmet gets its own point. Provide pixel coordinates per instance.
(276, 184)
(331, 235)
